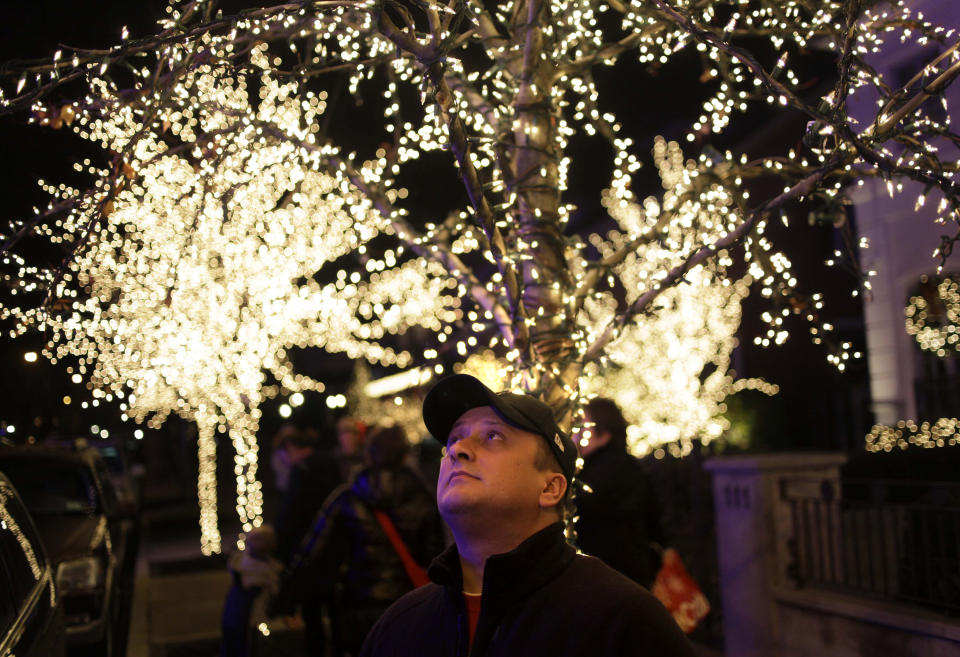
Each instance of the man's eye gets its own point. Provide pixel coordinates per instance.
(493, 435)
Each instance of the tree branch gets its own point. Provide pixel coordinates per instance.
(740, 55)
(440, 253)
(88, 60)
(460, 146)
(883, 125)
(437, 252)
(672, 277)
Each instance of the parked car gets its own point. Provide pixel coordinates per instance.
(71, 498)
(126, 476)
(126, 479)
(31, 620)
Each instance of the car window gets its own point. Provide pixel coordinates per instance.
(22, 560)
(113, 458)
(52, 486)
(20, 516)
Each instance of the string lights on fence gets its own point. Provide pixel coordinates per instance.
(944, 432)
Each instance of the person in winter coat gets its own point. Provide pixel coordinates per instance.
(351, 438)
(511, 585)
(350, 549)
(619, 517)
(314, 474)
(256, 576)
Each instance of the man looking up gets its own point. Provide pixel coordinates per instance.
(511, 585)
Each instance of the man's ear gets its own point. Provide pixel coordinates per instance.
(554, 489)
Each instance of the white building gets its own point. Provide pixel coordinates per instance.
(905, 383)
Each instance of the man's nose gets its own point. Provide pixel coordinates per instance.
(460, 449)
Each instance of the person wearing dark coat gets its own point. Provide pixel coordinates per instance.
(619, 521)
(350, 453)
(348, 548)
(254, 575)
(511, 585)
(314, 474)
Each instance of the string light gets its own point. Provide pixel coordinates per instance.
(195, 283)
(196, 253)
(669, 370)
(384, 409)
(941, 433)
(933, 318)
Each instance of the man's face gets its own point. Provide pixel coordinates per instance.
(349, 440)
(489, 465)
(297, 454)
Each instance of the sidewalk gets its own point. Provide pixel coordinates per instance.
(178, 593)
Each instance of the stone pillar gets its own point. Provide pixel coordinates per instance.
(753, 530)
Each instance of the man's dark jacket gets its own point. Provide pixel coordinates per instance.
(620, 518)
(540, 599)
(311, 481)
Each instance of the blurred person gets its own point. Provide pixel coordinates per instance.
(428, 454)
(314, 474)
(255, 575)
(619, 521)
(366, 540)
(351, 435)
(280, 459)
(511, 585)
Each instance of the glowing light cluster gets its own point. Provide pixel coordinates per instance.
(934, 322)
(199, 275)
(669, 370)
(941, 433)
(932, 318)
(391, 409)
(196, 252)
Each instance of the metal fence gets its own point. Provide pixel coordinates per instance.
(892, 540)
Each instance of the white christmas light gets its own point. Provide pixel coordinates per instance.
(198, 252)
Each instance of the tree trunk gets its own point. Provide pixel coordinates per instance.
(546, 284)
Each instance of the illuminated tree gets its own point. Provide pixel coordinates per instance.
(226, 207)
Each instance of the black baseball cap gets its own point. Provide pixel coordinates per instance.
(454, 395)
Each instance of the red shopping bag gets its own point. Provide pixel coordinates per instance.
(679, 593)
